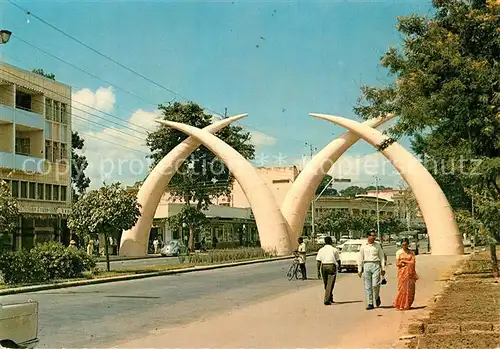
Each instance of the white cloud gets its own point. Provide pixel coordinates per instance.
(260, 139)
(361, 169)
(119, 154)
(92, 106)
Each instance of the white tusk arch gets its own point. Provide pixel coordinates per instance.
(442, 228)
(134, 242)
(272, 227)
(298, 198)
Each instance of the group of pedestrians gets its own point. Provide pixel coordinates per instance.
(371, 268)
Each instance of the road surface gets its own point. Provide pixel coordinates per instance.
(106, 314)
(133, 263)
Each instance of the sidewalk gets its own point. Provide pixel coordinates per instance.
(300, 319)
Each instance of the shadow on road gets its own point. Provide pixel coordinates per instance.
(348, 302)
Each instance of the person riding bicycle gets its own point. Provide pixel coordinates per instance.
(302, 257)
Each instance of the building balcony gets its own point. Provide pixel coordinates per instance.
(21, 117)
(21, 162)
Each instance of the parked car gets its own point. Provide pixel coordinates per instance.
(349, 255)
(172, 248)
(320, 239)
(19, 325)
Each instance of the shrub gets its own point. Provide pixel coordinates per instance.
(62, 262)
(48, 261)
(227, 255)
(21, 267)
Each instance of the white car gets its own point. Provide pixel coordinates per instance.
(19, 325)
(320, 239)
(349, 255)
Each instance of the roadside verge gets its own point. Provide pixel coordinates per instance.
(67, 284)
(465, 314)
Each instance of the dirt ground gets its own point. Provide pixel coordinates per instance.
(474, 296)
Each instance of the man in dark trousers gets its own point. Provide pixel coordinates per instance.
(302, 250)
(328, 261)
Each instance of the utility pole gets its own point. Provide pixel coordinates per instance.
(313, 230)
(378, 211)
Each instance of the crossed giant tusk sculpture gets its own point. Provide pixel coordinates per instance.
(278, 229)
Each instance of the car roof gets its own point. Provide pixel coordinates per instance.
(354, 242)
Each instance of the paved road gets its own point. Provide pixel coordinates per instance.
(102, 315)
(139, 263)
(389, 249)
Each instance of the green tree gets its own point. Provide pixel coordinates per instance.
(447, 93)
(80, 182)
(42, 73)
(328, 191)
(8, 215)
(108, 210)
(202, 177)
(352, 191)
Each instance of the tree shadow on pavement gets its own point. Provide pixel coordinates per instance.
(347, 302)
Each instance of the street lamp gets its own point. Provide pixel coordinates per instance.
(5, 36)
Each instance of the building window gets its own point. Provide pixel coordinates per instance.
(32, 190)
(48, 151)
(48, 130)
(57, 111)
(56, 193)
(22, 146)
(63, 193)
(57, 152)
(23, 100)
(39, 193)
(48, 192)
(64, 152)
(276, 181)
(49, 109)
(64, 113)
(15, 189)
(64, 133)
(24, 190)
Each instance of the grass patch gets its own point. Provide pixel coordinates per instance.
(473, 296)
(192, 260)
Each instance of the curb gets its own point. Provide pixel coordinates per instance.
(36, 288)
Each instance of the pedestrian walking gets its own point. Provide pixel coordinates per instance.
(407, 276)
(90, 247)
(155, 245)
(328, 262)
(371, 265)
(302, 257)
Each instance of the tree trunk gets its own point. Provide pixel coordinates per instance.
(106, 252)
(494, 259)
(191, 238)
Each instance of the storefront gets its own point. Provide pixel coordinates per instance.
(39, 224)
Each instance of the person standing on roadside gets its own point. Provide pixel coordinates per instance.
(371, 265)
(302, 257)
(328, 262)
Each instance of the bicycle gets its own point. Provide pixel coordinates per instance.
(294, 270)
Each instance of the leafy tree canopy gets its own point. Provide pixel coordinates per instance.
(8, 213)
(108, 210)
(446, 93)
(203, 176)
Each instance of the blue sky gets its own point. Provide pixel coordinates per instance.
(276, 60)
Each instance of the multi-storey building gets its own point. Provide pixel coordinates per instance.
(35, 153)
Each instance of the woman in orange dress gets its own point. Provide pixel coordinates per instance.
(407, 277)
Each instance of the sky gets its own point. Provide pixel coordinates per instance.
(278, 61)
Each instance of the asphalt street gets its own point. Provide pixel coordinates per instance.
(133, 263)
(102, 315)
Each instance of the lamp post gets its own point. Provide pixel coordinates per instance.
(341, 180)
(5, 36)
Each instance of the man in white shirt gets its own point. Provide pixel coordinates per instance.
(371, 264)
(327, 261)
(302, 258)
